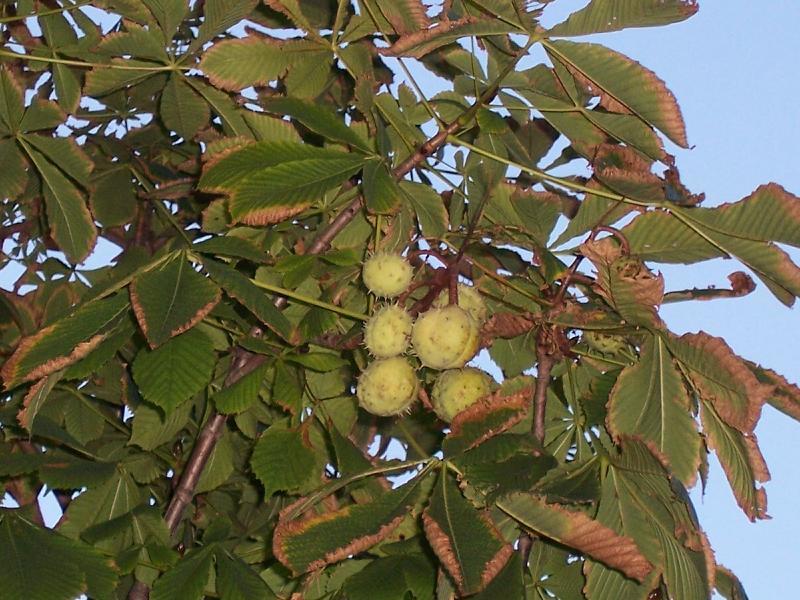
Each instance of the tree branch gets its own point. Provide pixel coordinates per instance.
(543, 369)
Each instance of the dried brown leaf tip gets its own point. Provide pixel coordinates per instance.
(741, 283)
(270, 215)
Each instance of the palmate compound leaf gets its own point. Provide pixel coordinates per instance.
(577, 530)
(623, 85)
(308, 543)
(269, 182)
(171, 298)
(465, 540)
(601, 16)
(638, 501)
(40, 564)
(64, 342)
(649, 401)
(175, 371)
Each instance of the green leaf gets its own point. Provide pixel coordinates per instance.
(230, 245)
(466, 541)
(243, 393)
(35, 398)
(617, 78)
(175, 371)
(101, 81)
(236, 64)
(11, 101)
(152, 429)
(171, 298)
(381, 192)
(649, 401)
(169, 14)
(66, 154)
(392, 16)
(13, 176)
(601, 16)
(306, 544)
(727, 585)
(182, 109)
(41, 564)
(64, 342)
(115, 497)
(187, 579)
(283, 460)
(219, 466)
(269, 182)
(508, 583)
(219, 16)
(236, 580)
(577, 530)
(393, 577)
(70, 221)
(318, 361)
(318, 119)
(113, 197)
(428, 206)
(741, 460)
(253, 298)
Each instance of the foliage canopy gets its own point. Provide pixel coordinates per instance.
(191, 405)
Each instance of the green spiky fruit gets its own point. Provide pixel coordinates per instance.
(386, 334)
(387, 275)
(603, 342)
(445, 338)
(469, 299)
(387, 387)
(458, 389)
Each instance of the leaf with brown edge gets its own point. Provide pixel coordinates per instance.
(625, 282)
(404, 16)
(236, 64)
(490, 416)
(268, 182)
(769, 214)
(782, 395)
(741, 460)
(35, 398)
(465, 540)
(171, 298)
(721, 377)
(601, 16)
(64, 342)
(577, 530)
(622, 84)
(507, 325)
(311, 542)
(420, 43)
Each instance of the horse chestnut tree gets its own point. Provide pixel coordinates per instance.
(256, 275)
